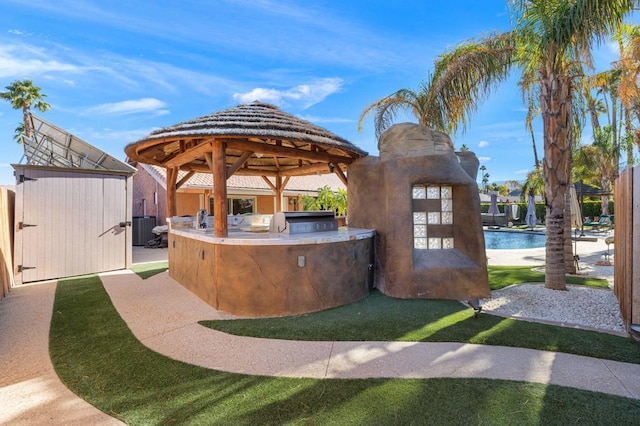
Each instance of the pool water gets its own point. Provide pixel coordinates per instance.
(501, 240)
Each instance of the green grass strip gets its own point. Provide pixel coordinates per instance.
(504, 276)
(147, 270)
(382, 318)
(97, 357)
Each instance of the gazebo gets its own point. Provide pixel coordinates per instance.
(251, 139)
(247, 272)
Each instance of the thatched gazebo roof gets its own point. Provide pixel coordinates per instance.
(255, 139)
(279, 143)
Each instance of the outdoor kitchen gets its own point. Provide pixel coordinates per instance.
(417, 205)
(260, 265)
(302, 263)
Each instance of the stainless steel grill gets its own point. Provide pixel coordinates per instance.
(303, 222)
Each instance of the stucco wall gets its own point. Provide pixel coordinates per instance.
(380, 198)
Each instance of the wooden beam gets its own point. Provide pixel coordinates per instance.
(243, 145)
(189, 155)
(278, 193)
(239, 163)
(241, 171)
(271, 185)
(185, 179)
(309, 169)
(219, 171)
(338, 171)
(172, 176)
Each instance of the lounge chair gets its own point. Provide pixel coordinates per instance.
(605, 222)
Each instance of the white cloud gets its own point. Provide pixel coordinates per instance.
(21, 60)
(110, 136)
(521, 172)
(131, 107)
(315, 119)
(483, 144)
(66, 65)
(304, 94)
(484, 159)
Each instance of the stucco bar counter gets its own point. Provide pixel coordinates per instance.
(271, 274)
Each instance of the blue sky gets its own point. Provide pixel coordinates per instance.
(115, 70)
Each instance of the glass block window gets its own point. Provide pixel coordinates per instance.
(419, 192)
(433, 218)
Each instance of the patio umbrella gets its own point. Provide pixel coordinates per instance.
(493, 207)
(576, 214)
(515, 211)
(530, 218)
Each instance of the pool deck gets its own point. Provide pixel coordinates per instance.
(591, 248)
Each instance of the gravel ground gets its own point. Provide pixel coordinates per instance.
(579, 306)
(582, 307)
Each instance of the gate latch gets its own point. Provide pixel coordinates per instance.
(24, 178)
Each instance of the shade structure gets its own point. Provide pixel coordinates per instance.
(531, 218)
(255, 139)
(259, 138)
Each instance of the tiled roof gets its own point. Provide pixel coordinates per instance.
(309, 183)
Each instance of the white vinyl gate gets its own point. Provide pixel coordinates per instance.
(70, 222)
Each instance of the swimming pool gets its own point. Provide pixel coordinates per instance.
(501, 240)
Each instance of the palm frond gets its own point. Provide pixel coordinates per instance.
(466, 75)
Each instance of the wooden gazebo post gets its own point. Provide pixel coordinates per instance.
(219, 171)
(172, 177)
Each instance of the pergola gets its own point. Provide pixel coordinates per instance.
(252, 139)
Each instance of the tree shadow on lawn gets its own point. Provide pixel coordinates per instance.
(97, 356)
(382, 318)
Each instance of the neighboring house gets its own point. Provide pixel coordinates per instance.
(245, 194)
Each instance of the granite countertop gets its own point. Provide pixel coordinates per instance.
(240, 237)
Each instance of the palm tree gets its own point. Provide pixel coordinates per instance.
(18, 132)
(419, 103)
(550, 41)
(532, 111)
(628, 37)
(607, 83)
(601, 160)
(485, 177)
(24, 95)
(534, 184)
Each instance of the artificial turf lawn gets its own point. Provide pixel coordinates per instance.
(95, 354)
(147, 270)
(419, 320)
(504, 276)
